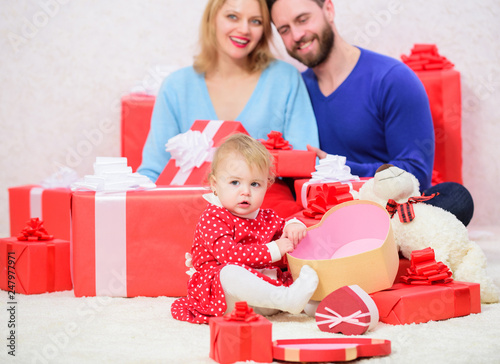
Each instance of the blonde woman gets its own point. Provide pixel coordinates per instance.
(234, 77)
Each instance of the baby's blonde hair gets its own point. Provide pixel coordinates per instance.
(253, 152)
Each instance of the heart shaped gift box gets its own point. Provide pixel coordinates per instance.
(352, 244)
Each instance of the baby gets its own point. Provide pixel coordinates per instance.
(236, 242)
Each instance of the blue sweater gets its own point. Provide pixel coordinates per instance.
(279, 102)
(379, 114)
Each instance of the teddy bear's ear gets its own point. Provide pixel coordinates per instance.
(383, 167)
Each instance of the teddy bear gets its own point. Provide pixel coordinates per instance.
(428, 226)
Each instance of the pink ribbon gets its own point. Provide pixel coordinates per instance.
(335, 318)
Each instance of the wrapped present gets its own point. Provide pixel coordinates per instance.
(442, 84)
(307, 189)
(329, 349)
(52, 205)
(34, 262)
(287, 161)
(241, 336)
(348, 310)
(133, 243)
(135, 124)
(192, 151)
(406, 304)
(352, 244)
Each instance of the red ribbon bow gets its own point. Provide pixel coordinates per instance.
(276, 141)
(326, 197)
(242, 312)
(424, 269)
(405, 209)
(320, 203)
(34, 231)
(426, 57)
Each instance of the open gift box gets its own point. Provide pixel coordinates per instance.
(352, 244)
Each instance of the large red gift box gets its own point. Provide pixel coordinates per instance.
(52, 205)
(442, 84)
(134, 243)
(406, 303)
(241, 339)
(136, 120)
(33, 267)
(214, 130)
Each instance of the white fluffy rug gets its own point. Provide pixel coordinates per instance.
(59, 328)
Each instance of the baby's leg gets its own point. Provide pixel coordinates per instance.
(239, 284)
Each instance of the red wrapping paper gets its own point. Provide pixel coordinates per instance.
(55, 209)
(442, 84)
(294, 163)
(240, 340)
(147, 246)
(405, 304)
(135, 125)
(34, 262)
(199, 175)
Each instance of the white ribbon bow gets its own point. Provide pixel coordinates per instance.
(63, 177)
(190, 149)
(332, 169)
(113, 175)
(335, 318)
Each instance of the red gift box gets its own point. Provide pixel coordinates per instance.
(294, 163)
(34, 262)
(135, 124)
(133, 243)
(442, 84)
(241, 339)
(214, 130)
(405, 304)
(52, 205)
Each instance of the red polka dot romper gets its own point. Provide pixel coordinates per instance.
(222, 238)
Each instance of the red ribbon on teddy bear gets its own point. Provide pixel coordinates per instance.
(405, 209)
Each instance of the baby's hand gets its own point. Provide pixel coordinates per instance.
(285, 245)
(295, 232)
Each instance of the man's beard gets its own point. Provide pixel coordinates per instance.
(326, 41)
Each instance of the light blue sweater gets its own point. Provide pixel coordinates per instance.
(279, 102)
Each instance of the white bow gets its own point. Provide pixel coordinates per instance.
(335, 318)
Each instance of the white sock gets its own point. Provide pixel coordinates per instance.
(241, 285)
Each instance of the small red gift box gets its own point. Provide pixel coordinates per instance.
(35, 266)
(305, 189)
(289, 162)
(135, 125)
(442, 84)
(52, 205)
(215, 131)
(294, 163)
(236, 337)
(405, 304)
(133, 243)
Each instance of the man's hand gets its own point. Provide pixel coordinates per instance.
(318, 151)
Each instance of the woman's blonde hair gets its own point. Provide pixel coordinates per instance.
(206, 60)
(253, 152)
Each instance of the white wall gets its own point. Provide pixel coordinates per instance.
(64, 64)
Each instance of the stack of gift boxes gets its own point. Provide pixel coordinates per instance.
(128, 237)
